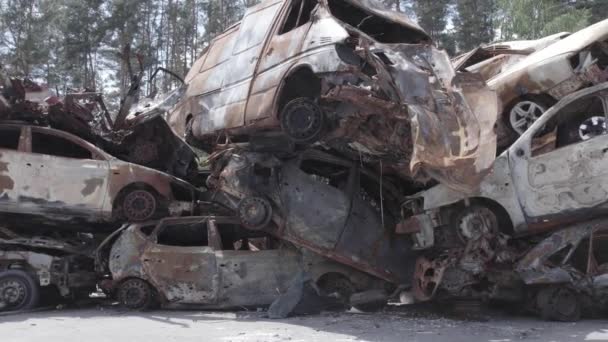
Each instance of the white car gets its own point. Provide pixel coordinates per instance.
(555, 173)
(53, 174)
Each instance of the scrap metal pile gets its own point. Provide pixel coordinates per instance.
(349, 162)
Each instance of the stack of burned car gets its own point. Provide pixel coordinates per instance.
(320, 117)
(347, 157)
(61, 193)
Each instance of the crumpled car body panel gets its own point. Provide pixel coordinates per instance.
(327, 213)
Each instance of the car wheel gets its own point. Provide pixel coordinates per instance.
(475, 222)
(339, 287)
(18, 291)
(524, 113)
(559, 304)
(254, 212)
(139, 205)
(136, 294)
(302, 120)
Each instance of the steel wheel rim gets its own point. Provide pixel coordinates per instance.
(592, 127)
(135, 294)
(524, 114)
(139, 205)
(13, 292)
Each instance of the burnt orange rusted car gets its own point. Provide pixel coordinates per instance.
(50, 173)
(351, 74)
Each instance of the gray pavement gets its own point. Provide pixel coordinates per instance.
(113, 325)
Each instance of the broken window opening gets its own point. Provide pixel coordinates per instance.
(184, 235)
(381, 29)
(58, 147)
(147, 230)
(9, 138)
(580, 121)
(299, 14)
(326, 173)
(600, 247)
(559, 258)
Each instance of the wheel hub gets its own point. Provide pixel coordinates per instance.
(302, 120)
(477, 224)
(592, 127)
(135, 293)
(254, 212)
(565, 303)
(12, 292)
(139, 205)
(524, 114)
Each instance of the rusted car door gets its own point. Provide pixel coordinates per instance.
(285, 43)
(250, 278)
(12, 178)
(181, 263)
(253, 32)
(68, 175)
(567, 177)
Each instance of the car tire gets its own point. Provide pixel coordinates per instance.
(523, 113)
(255, 213)
(19, 291)
(559, 304)
(474, 222)
(136, 294)
(337, 286)
(302, 120)
(139, 205)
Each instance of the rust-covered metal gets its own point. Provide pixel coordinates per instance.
(326, 204)
(547, 178)
(369, 70)
(143, 137)
(65, 264)
(177, 258)
(570, 266)
(54, 174)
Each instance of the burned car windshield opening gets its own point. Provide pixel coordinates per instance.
(381, 29)
(299, 14)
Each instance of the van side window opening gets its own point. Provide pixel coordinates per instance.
(58, 146)
(299, 14)
(9, 138)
